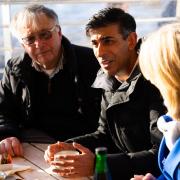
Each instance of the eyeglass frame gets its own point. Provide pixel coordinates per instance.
(25, 39)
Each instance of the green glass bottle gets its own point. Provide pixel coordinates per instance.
(101, 167)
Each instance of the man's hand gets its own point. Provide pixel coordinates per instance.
(148, 176)
(11, 146)
(54, 148)
(72, 166)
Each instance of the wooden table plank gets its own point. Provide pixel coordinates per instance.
(34, 173)
(34, 157)
(43, 147)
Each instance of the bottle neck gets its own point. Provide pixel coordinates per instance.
(101, 163)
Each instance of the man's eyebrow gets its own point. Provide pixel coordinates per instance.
(106, 37)
(103, 38)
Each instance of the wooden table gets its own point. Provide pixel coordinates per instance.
(34, 157)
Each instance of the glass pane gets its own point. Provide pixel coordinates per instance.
(74, 16)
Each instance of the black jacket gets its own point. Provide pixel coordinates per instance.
(62, 107)
(127, 125)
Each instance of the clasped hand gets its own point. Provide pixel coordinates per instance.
(148, 176)
(71, 166)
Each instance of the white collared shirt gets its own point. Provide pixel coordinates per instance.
(50, 72)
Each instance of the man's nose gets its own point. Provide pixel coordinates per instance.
(38, 42)
(100, 50)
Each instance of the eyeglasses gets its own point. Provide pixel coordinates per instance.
(43, 35)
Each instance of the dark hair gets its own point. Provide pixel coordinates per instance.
(109, 16)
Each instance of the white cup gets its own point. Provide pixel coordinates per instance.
(63, 153)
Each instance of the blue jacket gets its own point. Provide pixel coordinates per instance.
(169, 161)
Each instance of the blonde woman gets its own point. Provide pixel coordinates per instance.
(159, 61)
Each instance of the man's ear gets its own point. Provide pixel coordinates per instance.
(59, 31)
(132, 40)
(138, 45)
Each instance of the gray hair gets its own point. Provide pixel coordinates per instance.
(29, 16)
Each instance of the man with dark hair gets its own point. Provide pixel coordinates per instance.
(130, 105)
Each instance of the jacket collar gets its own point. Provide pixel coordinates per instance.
(21, 65)
(108, 83)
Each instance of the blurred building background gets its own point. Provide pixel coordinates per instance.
(74, 14)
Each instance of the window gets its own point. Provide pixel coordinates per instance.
(73, 15)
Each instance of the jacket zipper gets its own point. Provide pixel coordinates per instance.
(49, 86)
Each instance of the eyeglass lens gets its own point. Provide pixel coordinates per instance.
(45, 35)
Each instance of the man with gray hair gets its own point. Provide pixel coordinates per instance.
(46, 94)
